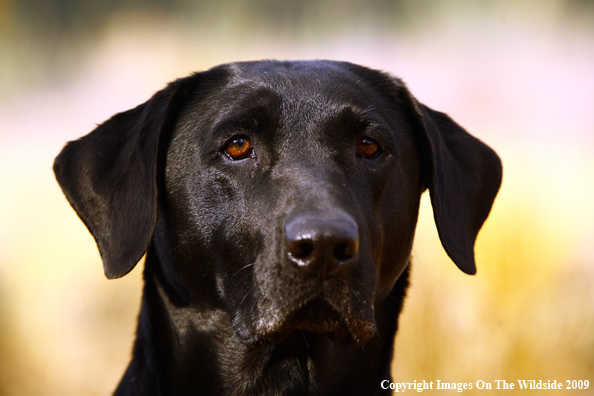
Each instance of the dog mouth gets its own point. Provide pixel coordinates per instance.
(317, 316)
(314, 316)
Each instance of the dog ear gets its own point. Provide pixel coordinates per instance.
(464, 176)
(110, 178)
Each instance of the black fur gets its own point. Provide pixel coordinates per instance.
(281, 271)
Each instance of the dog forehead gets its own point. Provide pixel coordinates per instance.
(297, 93)
(299, 81)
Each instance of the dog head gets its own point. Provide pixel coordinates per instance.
(286, 192)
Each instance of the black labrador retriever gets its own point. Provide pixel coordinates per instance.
(276, 203)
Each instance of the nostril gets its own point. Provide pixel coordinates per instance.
(344, 252)
(302, 249)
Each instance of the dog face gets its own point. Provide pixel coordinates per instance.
(298, 200)
(285, 192)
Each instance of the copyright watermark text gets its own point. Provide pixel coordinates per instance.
(420, 386)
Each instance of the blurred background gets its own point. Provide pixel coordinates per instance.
(518, 74)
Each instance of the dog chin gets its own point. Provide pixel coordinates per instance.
(317, 317)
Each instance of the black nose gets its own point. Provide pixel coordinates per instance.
(322, 247)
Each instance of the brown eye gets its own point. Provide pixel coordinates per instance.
(238, 148)
(368, 148)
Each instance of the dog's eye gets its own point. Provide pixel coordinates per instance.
(368, 148)
(238, 148)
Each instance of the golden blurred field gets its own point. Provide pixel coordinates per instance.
(518, 75)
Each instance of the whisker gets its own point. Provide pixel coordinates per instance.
(246, 294)
(244, 267)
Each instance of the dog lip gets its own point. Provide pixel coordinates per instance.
(316, 316)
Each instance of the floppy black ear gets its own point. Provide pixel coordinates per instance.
(110, 178)
(464, 178)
